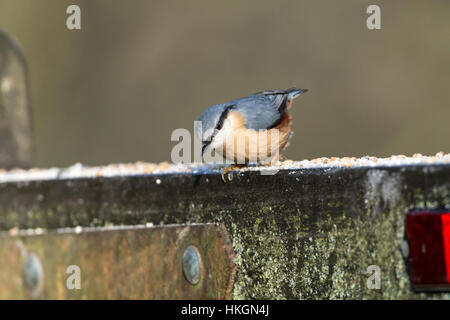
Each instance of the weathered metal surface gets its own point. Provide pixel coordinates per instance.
(16, 143)
(124, 263)
(303, 233)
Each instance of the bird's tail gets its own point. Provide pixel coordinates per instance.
(293, 93)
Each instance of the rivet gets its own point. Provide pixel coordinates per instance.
(33, 274)
(405, 249)
(191, 265)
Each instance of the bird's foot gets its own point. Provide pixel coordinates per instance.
(224, 171)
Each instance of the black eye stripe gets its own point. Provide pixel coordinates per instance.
(223, 116)
(219, 126)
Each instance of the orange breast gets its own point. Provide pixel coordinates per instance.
(242, 145)
(285, 129)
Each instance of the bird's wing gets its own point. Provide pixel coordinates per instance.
(262, 110)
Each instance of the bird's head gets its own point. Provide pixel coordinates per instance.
(211, 122)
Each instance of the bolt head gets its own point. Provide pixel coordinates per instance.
(33, 274)
(405, 249)
(191, 265)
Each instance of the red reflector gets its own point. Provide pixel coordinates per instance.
(445, 220)
(428, 235)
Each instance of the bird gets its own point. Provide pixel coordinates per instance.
(247, 130)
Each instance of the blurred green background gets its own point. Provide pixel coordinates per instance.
(115, 90)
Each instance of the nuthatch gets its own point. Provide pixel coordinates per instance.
(262, 121)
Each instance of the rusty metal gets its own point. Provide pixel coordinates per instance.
(119, 263)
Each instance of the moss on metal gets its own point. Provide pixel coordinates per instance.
(300, 234)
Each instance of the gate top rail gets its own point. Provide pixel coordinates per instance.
(78, 171)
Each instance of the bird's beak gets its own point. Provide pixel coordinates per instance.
(205, 145)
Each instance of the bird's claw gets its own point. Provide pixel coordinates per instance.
(226, 170)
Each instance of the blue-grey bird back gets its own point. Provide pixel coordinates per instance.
(261, 110)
